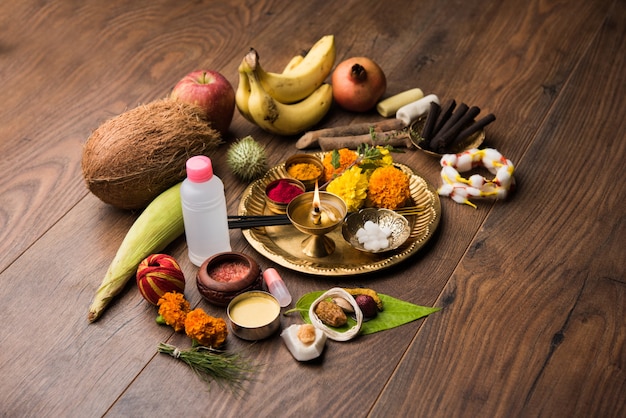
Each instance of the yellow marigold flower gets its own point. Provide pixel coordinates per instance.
(205, 329)
(345, 156)
(388, 188)
(351, 186)
(173, 308)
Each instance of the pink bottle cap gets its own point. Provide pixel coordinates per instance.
(199, 169)
(277, 287)
(271, 276)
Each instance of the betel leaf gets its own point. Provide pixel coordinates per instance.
(395, 312)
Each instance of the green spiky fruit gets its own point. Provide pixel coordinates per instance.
(247, 159)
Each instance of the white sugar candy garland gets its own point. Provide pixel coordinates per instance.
(461, 189)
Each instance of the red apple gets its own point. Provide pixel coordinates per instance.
(211, 91)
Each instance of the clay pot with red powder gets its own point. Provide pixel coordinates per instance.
(226, 275)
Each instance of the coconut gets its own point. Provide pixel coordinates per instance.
(130, 159)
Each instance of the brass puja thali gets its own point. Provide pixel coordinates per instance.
(282, 243)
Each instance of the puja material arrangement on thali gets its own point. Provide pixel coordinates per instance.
(345, 208)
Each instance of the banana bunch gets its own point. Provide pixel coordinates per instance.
(290, 102)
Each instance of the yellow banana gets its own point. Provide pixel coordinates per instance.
(285, 119)
(242, 94)
(304, 78)
(292, 64)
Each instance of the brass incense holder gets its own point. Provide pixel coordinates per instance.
(316, 214)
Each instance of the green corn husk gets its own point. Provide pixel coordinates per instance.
(157, 226)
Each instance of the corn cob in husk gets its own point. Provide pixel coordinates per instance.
(157, 226)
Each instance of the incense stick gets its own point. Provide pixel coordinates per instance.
(259, 221)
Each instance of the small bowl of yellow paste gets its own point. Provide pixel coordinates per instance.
(254, 315)
(307, 168)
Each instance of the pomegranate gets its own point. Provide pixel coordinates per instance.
(358, 84)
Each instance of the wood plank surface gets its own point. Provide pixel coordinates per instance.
(525, 285)
(532, 288)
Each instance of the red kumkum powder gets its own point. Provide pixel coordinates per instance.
(283, 192)
(229, 272)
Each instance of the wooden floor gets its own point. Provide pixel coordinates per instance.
(533, 289)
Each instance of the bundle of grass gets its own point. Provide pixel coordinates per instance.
(132, 158)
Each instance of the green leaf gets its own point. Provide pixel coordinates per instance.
(335, 159)
(395, 312)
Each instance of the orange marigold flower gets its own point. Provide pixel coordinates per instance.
(205, 329)
(388, 188)
(173, 308)
(344, 157)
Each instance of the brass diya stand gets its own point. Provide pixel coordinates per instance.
(317, 214)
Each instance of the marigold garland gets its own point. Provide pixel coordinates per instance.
(173, 308)
(388, 188)
(205, 329)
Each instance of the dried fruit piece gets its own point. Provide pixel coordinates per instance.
(343, 304)
(365, 291)
(367, 305)
(330, 314)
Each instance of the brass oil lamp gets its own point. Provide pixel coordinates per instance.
(317, 214)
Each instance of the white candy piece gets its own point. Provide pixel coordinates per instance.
(373, 237)
(299, 350)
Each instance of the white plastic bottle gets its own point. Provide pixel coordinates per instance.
(204, 211)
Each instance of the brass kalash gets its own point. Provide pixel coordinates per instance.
(316, 214)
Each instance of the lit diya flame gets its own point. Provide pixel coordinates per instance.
(316, 212)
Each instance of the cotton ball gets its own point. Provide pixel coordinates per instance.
(476, 180)
(464, 162)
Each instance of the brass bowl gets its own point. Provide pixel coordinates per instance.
(274, 205)
(254, 315)
(384, 218)
(219, 292)
(471, 142)
(309, 183)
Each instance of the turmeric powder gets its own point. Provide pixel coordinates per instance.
(304, 171)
